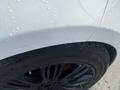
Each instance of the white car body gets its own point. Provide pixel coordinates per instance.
(31, 24)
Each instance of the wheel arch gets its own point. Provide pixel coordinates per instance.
(55, 36)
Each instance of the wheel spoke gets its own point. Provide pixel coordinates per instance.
(86, 77)
(19, 82)
(78, 75)
(71, 75)
(43, 73)
(82, 80)
(48, 72)
(78, 83)
(60, 71)
(55, 71)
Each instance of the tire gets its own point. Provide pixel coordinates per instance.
(75, 66)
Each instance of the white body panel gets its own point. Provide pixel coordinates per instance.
(31, 24)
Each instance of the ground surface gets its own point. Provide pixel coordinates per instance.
(111, 80)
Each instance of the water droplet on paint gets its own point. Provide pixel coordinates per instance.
(17, 28)
(48, 8)
(11, 34)
(13, 17)
(10, 10)
(45, 1)
(18, 0)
